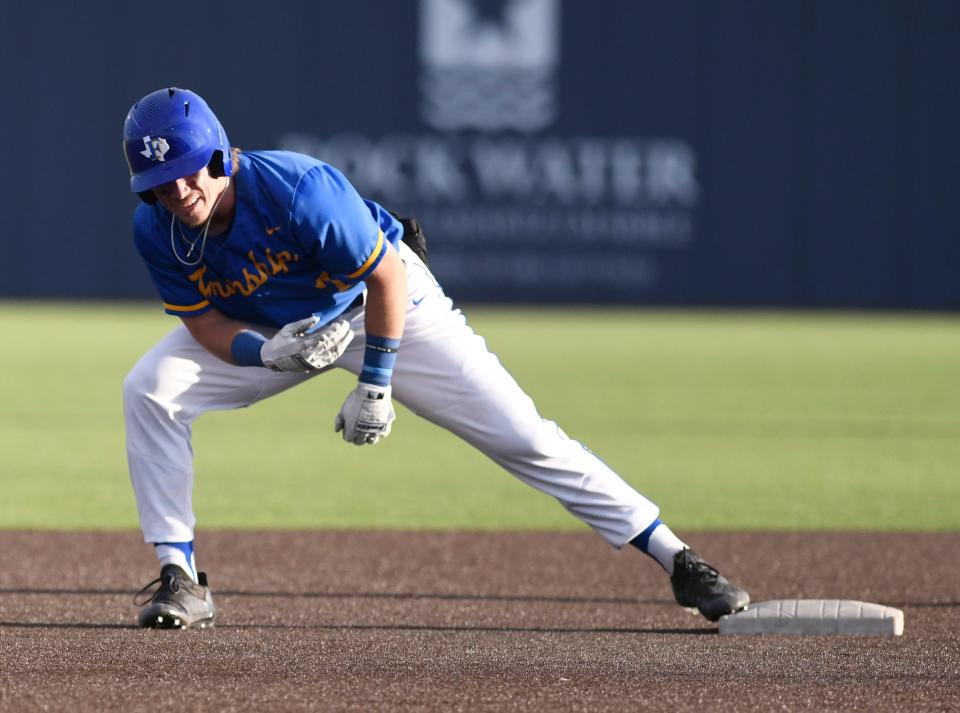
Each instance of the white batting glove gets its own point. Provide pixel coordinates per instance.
(295, 348)
(366, 415)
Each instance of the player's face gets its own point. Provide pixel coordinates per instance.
(191, 198)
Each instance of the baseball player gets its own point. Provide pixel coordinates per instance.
(279, 270)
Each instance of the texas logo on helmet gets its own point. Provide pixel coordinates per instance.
(155, 148)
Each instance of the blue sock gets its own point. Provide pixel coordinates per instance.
(659, 542)
(178, 553)
(642, 541)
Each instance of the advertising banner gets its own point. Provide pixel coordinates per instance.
(789, 153)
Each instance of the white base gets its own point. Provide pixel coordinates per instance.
(814, 616)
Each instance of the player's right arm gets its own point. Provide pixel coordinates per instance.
(296, 347)
(215, 332)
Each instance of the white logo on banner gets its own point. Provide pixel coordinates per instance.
(155, 148)
(518, 205)
(489, 64)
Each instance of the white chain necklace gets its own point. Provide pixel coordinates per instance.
(202, 238)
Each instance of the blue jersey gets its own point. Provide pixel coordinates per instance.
(302, 241)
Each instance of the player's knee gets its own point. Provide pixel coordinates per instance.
(531, 441)
(138, 385)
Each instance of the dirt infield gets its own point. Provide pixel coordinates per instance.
(469, 621)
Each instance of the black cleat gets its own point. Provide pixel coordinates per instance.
(696, 584)
(179, 602)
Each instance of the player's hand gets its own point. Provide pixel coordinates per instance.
(366, 415)
(296, 348)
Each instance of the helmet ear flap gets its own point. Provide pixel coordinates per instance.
(215, 167)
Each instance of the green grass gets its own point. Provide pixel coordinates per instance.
(729, 420)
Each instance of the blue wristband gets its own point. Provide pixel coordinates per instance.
(378, 360)
(245, 348)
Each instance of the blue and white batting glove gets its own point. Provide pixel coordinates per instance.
(366, 415)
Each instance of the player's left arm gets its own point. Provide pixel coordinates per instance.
(367, 413)
(337, 229)
(386, 305)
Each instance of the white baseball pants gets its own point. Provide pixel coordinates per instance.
(443, 373)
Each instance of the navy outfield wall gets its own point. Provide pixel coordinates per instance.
(768, 153)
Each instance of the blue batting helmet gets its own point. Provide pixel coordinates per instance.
(169, 134)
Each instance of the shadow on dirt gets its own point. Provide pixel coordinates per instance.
(422, 595)
(358, 595)
(386, 627)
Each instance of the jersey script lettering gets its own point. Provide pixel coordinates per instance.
(252, 281)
